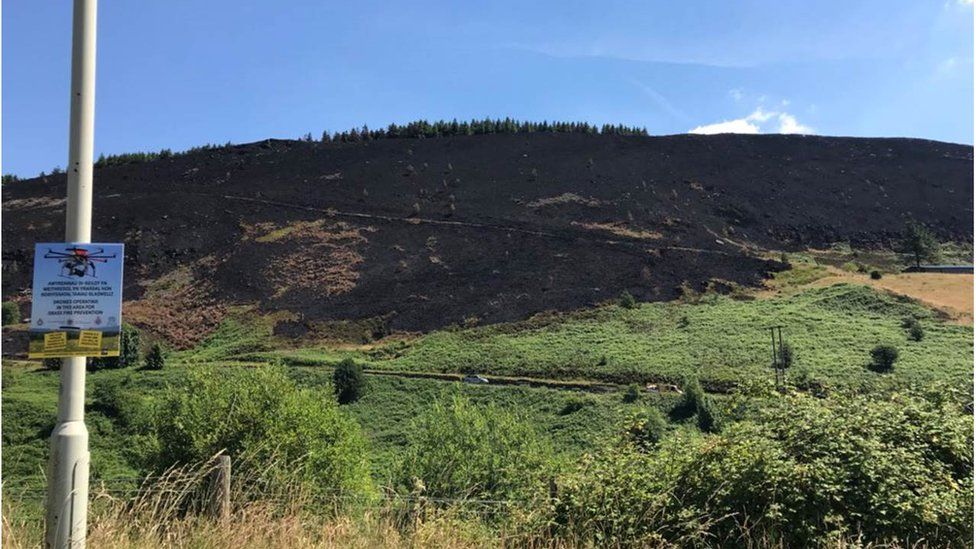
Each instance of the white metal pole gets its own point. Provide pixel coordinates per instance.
(67, 496)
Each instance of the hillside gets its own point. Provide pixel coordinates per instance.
(418, 234)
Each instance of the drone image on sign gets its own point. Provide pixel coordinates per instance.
(77, 300)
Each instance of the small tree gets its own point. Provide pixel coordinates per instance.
(692, 397)
(633, 393)
(920, 243)
(883, 358)
(349, 381)
(155, 359)
(129, 354)
(11, 313)
(626, 300)
(708, 418)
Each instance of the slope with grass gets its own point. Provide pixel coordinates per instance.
(722, 340)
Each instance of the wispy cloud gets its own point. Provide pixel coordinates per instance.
(736, 94)
(661, 101)
(758, 121)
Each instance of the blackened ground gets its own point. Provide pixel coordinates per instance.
(430, 232)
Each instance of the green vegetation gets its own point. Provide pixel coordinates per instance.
(11, 313)
(883, 358)
(260, 413)
(919, 243)
(798, 471)
(129, 353)
(456, 449)
(841, 454)
(626, 300)
(349, 381)
(721, 340)
(444, 128)
(155, 358)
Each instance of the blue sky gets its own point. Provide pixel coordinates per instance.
(181, 73)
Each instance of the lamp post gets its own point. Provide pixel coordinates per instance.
(67, 493)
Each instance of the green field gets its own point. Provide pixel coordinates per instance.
(722, 340)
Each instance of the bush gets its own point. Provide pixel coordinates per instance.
(916, 332)
(155, 359)
(129, 354)
(459, 450)
(348, 381)
(574, 404)
(287, 434)
(802, 472)
(116, 398)
(633, 393)
(11, 313)
(883, 358)
(708, 417)
(647, 427)
(691, 399)
(51, 364)
(875, 275)
(626, 300)
(786, 355)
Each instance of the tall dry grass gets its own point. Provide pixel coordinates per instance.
(176, 510)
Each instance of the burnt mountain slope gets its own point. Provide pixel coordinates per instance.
(417, 234)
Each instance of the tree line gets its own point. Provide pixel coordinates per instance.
(445, 128)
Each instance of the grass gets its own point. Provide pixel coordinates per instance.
(390, 404)
(722, 340)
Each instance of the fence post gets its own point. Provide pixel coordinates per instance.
(220, 488)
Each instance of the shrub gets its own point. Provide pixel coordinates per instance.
(348, 381)
(802, 472)
(708, 417)
(155, 359)
(916, 332)
(11, 313)
(288, 434)
(116, 398)
(883, 358)
(875, 275)
(459, 450)
(51, 364)
(691, 399)
(786, 355)
(626, 300)
(129, 354)
(574, 404)
(647, 427)
(633, 393)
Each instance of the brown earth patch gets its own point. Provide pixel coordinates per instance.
(178, 307)
(620, 229)
(949, 293)
(322, 256)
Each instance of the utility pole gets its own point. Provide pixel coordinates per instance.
(67, 493)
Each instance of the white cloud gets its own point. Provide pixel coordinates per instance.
(789, 124)
(736, 94)
(758, 121)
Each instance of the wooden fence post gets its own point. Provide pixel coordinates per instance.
(220, 488)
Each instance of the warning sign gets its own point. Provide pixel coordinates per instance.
(77, 301)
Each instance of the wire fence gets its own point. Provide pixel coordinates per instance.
(142, 487)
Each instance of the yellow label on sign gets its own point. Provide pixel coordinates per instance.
(55, 340)
(90, 339)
